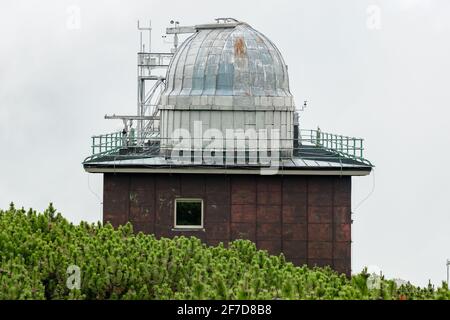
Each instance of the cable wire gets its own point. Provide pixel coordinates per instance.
(370, 193)
(92, 191)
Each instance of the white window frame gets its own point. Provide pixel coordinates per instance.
(175, 213)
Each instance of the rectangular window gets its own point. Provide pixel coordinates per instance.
(188, 213)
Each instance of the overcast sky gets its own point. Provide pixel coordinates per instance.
(375, 69)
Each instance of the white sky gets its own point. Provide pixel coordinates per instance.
(387, 82)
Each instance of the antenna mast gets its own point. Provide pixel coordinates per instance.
(141, 29)
(148, 94)
(142, 72)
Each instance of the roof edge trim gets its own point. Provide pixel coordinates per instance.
(362, 172)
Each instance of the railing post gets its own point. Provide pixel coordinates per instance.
(361, 146)
(93, 145)
(347, 145)
(354, 148)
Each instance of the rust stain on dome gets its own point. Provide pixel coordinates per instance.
(239, 48)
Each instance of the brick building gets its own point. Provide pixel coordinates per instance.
(257, 175)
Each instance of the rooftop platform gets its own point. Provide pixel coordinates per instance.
(314, 152)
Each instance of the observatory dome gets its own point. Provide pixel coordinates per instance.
(230, 77)
(227, 64)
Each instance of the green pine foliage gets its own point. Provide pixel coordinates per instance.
(37, 249)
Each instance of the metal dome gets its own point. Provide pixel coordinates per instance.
(230, 63)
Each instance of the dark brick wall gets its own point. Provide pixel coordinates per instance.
(305, 217)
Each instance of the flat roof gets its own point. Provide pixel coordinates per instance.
(308, 160)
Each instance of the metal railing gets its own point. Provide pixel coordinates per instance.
(310, 145)
(349, 147)
(154, 59)
(108, 143)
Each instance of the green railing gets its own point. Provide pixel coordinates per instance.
(107, 142)
(348, 147)
(332, 146)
